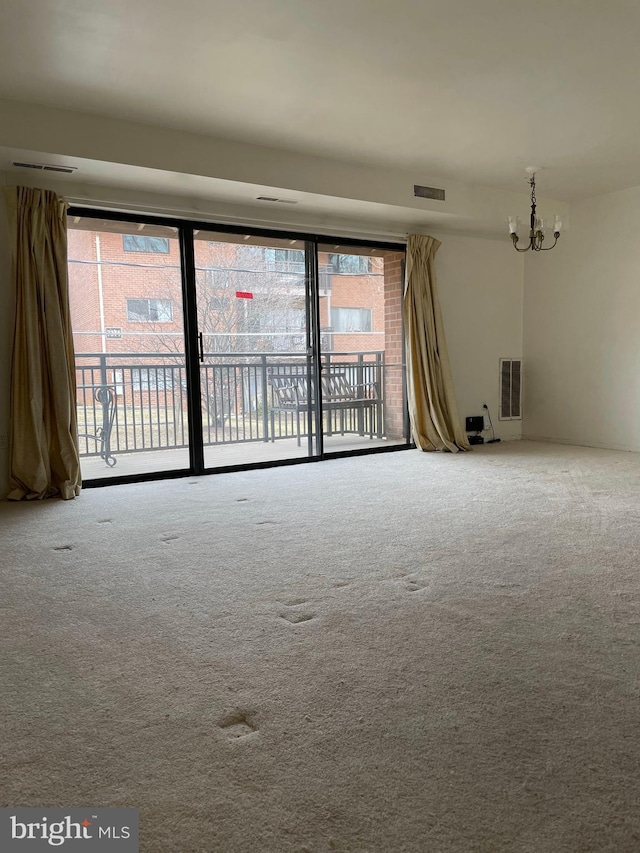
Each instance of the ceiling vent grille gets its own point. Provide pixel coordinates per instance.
(428, 192)
(510, 389)
(46, 167)
(68, 170)
(27, 165)
(278, 200)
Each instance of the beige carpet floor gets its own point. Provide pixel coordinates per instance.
(406, 652)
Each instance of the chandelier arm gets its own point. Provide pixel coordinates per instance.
(524, 249)
(548, 248)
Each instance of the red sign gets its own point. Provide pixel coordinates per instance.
(244, 294)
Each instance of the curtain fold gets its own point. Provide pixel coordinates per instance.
(44, 435)
(433, 412)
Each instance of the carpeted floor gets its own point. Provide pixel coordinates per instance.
(406, 652)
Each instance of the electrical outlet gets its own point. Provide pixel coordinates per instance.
(4, 440)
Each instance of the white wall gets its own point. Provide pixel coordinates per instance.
(582, 329)
(480, 282)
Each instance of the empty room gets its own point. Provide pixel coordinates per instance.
(319, 426)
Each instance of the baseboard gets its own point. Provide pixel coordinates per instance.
(599, 445)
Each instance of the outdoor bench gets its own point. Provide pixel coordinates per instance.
(357, 404)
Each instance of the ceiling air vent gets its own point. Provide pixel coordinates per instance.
(278, 200)
(46, 167)
(428, 192)
(68, 170)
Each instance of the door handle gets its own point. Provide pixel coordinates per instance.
(201, 346)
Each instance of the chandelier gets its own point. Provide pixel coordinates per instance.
(537, 224)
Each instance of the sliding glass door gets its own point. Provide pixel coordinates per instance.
(200, 349)
(126, 312)
(256, 353)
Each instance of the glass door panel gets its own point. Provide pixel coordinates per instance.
(256, 363)
(125, 295)
(362, 350)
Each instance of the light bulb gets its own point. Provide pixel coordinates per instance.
(557, 227)
(513, 225)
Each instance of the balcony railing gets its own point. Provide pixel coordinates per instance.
(132, 402)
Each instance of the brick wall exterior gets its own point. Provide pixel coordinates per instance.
(125, 275)
(83, 290)
(394, 350)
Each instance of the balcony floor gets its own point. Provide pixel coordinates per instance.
(221, 455)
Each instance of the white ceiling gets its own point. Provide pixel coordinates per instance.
(472, 90)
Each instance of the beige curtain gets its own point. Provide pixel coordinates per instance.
(432, 406)
(44, 441)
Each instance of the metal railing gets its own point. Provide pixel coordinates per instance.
(132, 402)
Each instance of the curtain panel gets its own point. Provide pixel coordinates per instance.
(43, 423)
(433, 412)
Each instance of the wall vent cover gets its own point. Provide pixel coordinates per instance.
(428, 192)
(510, 389)
(46, 167)
(68, 170)
(278, 200)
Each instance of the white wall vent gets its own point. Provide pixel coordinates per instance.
(278, 200)
(46, 167)
(510, 389)
(428, 192)
(68, 170)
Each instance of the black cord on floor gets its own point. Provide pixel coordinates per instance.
(493, 439)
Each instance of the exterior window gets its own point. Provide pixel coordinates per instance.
(286, 260)
(285, 318)
(350, 264)
(151, 379)
(351, 319)
(149, 310)
(251, 255)
(218, 303)
(283, 327)
(138, 243)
